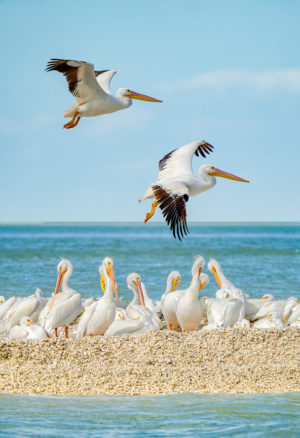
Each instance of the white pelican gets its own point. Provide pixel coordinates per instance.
(27, 329)
(291, 311)
(123, 327)
(176, 183)
(136, 308)
(242, 323)
(91, 90)
(172, 283)
(7, 305)
(190, 310)
(101, 313)
(278, 308)
(169, 307)
(30, 306)
(62, 308)
(225, 312)
(224, 284)
(270, 321)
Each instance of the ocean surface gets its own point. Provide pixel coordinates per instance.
(258, 258)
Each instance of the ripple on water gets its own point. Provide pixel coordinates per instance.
(186, 415)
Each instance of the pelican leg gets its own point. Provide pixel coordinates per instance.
(70, 124)
(149, 215)
(56, 334)
(170, 327)
(67, 332)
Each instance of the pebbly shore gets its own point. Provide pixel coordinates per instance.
(217, 361)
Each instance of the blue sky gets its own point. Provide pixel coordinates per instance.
(228, 72)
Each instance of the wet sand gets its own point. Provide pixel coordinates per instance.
(218, 361)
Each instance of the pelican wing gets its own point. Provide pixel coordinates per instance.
(172, 202)
(63, 312)
(103, 78)
(179, 161)
(80, 76)
(84, 319)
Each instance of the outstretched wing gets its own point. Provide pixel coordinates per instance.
(80, 76)
(103, 78)
(179, 161)
(172, 202)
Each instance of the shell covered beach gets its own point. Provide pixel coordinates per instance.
(219, 361)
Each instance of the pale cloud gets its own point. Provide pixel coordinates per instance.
(288, 79)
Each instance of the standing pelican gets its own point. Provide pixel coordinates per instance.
(62, 308)
(92, 90)
(169, 307)
(190, 310)
(137, 309)
(172, 283)
(176, 183)
(99, 315)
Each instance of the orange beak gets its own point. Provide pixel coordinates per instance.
(223, 174)
(140, 291)
(111, 274)
(138, 96)
(217, 278)
(60, 277)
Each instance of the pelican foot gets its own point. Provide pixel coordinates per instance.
(67, 332)
(149, 215)
(170, 327)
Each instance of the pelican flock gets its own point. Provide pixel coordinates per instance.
(39, 318)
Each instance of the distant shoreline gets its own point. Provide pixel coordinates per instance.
(151, 224)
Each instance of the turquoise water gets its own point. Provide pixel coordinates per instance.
(187, 415)
(259, 258)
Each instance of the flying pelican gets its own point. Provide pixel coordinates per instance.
(99, 316)
(223, 283)
(92, 90)
(190, 310)
(27, 329)
(169, 307)
(62, 308)
(176, 183)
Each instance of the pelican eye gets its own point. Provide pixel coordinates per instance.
(60, 269)
(28, 320)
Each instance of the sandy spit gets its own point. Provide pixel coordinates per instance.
(232, 361)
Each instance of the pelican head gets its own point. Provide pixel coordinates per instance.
(125, 92)
(207, 171)
(2, 299)
(198, 265)
(215, 268)
(64, 267)
(135, 285)
(25, 321)
(203, 280)
(173, 280)
(268, 297)
(108, 266)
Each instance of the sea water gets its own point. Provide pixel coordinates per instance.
(258, 258)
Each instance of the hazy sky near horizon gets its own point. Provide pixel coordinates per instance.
(228, 72)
